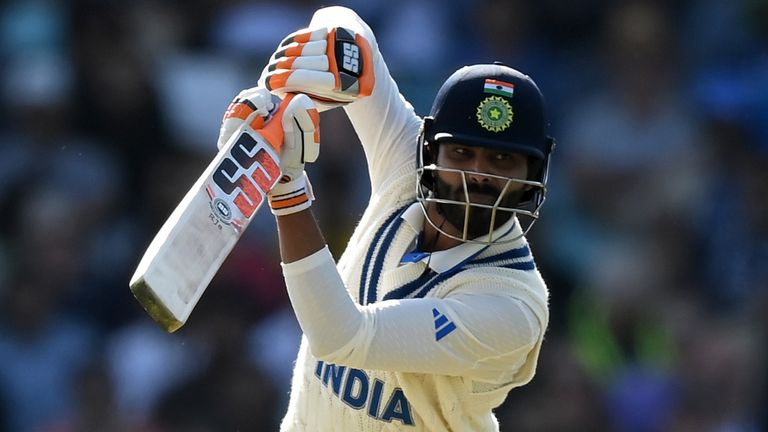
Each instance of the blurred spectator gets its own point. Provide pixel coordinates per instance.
(42, 348)
(115, 97)
(251, 30)
(629, 163)
(732, 227)
(714, 32)
(562, 400)
(406, 32)
(733, 223)
(144, 363)
(36, 92)
(759, 320)
(620, 330)
(43, 155)
(273, 345)
(230, 392)
(96, 407)
(343, 179)
(517, 33)
(32, 27)
(630, 178)
(193, 116)
(720, 366)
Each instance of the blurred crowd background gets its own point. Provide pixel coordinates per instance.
(654, 239)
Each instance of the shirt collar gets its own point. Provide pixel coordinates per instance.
(442, 261)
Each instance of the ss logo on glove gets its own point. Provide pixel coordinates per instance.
(351, 54)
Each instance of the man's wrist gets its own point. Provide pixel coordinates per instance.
(291, 197)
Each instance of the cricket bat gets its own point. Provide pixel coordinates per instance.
(192, 244)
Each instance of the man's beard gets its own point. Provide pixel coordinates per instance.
(479, 217)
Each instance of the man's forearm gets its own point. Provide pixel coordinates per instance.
(299, 236)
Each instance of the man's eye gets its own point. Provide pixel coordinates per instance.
(503, 156)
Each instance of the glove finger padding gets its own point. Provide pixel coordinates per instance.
(344, 76)
(311, 48)
(305, 35)
(250, 106)
(309, 63)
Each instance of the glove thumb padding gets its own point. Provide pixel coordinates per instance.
(301, 135)
(301, 123)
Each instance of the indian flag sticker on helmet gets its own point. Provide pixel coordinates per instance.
(500, 88)
(494, 114)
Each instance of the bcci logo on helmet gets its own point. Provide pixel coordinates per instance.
(494, 114)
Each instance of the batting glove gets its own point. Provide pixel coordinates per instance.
(301, 144)
(291, 127)
(333, 65)
(251, 106)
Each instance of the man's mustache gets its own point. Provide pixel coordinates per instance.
(483, 189)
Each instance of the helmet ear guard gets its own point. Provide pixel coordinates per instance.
(538, 171)
(427, 152)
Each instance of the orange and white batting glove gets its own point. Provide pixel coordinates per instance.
(301, 144)
(333, 65)
(290, 126)
(253, 106)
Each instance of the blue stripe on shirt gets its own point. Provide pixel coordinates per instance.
(521, 252)
(405, 290)
(372, 248)
(429, 280)
(379, 262)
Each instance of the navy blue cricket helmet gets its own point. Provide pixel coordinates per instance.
(493, 106)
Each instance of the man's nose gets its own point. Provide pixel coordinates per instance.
(479, 166)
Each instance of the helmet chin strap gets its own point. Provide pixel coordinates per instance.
(431, 245)
(437, 232)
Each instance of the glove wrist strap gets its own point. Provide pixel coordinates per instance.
(291, 197)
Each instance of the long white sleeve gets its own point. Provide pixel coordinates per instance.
(328, 316)
(487, 335)
(385, 122)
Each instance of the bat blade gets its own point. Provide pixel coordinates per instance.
(194, 241)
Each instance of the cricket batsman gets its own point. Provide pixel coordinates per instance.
(436, 309)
